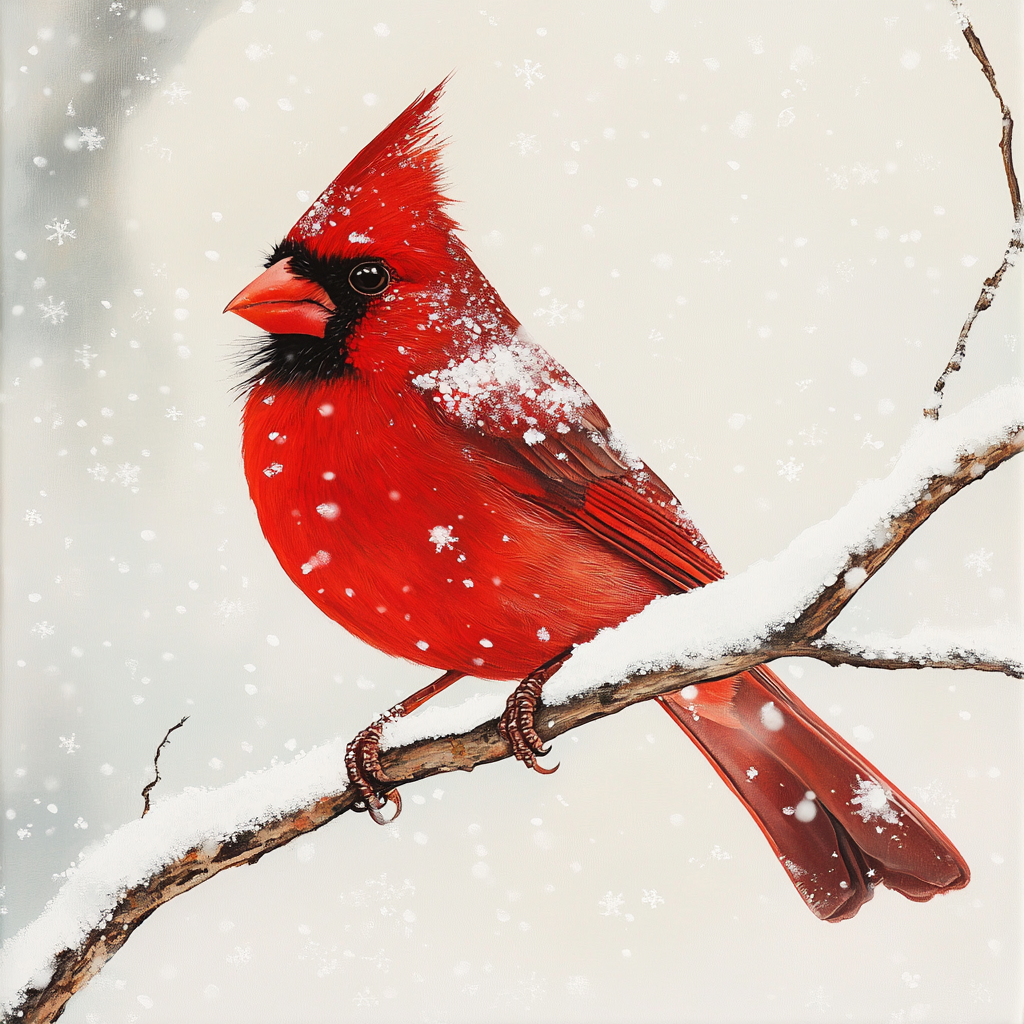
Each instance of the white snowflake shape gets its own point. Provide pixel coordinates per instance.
(173, 414)
(126, 474)
(610, 904)
(32, 517)
(441, 537)
(652, 898)
(143, 315)
(813, 435)
(84, 356)
(42, 629)
(53, 312)
(61, 229)
(717, 259)
(672, 57)
(177, 93)
(254, 51)
(874, 802)
(525, 144)
(241, 955)
(364, 998)
(554, 312)
(951, 50)
(98, 472)
(790, 469)
(91, 138)
(979, 561)
(864, 175)
(530, 72)
(68, 743)
(870, 442)
(152, 76)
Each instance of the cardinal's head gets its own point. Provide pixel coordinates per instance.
(379, 234)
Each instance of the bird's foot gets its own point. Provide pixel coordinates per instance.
(362, 762)
(516, 724)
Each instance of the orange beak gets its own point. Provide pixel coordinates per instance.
(283, 304)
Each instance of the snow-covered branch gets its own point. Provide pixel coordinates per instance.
(779, 608)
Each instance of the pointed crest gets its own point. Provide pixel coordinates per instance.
(389, 198)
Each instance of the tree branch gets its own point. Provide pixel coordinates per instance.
(729, 626)
(1015, 246)
(148, 788)
(904, 653)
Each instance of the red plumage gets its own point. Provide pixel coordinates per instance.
(452, 496)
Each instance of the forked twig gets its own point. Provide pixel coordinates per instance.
(156, 764)
(988, 289)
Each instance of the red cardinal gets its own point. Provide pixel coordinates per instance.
(440, 486)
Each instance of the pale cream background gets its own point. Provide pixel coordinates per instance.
(727, 319)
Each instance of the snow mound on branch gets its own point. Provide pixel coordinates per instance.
(136, 851)
(923, 644)
(741, 611)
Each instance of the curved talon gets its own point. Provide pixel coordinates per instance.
(391, 796)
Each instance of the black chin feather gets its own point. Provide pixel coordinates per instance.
(282, 359)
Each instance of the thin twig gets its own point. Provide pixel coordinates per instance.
(988, 289)
(156, 764)
(74, 966)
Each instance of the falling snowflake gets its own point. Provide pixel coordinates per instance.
(98, 472)
(84, 356)
(153, 146)
(53, 312)
(177, 93)
(91, 138)
(525, 144)
(813, 435)
(610, 904)
(979, 561)
(870, 442)
(70, 112)
(530, 72)
(32, 517)
(42, 629)
(241, 955)
(364, 998)
(254, 51)
(61, 229)
(951, 50)
(228, 610)
(152, 76)
(174, 414)
(874, 802)
(126, 474)
(672, 57)
(652, 898)
(717, 259)
(577, 984)
(441, 537)
(143, 315)
(717, 853)
(68, 743)
(790, 469)
(80, 822)
(864, 175)
(554, 312)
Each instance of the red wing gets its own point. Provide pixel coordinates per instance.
(563, 455)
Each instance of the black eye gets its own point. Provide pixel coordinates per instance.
(369, 278)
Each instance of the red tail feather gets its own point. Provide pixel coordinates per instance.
(838, 826)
